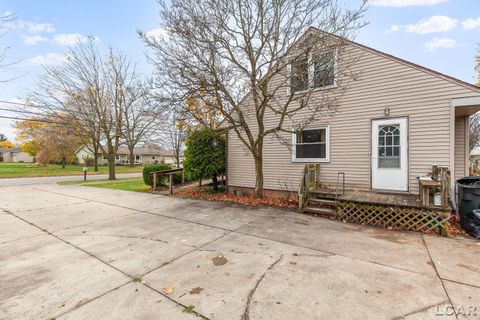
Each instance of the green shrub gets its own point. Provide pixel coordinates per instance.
(148, 177)
(205, 155)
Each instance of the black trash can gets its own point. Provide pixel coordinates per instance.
(469, 203)
(468, 194)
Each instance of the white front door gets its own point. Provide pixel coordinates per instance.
(390, 154)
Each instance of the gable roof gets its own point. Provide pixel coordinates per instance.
(405, 62)
(144, 150)
(15, 149)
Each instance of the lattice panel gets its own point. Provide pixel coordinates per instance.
(404, 218)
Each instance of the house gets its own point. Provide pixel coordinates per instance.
(143, 155)
(15, 155)
(393, 123)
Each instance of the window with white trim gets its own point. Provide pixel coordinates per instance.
(299, 75)
(117, 157)
(324, 69)
(314, 71)
(311, 145)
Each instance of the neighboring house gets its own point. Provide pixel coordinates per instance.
(143, 155)
(393, 123)
(14, 155)
(475, 154)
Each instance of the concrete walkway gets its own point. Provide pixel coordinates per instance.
(73, 252)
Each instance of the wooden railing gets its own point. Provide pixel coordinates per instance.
(440, 180)
(310, 179)
(168, 173)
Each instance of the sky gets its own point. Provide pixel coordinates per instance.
(439, 34)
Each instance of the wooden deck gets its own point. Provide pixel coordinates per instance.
(369, 197)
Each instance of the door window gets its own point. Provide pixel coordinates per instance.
(389, 146)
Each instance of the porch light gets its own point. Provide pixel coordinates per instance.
(386, 111)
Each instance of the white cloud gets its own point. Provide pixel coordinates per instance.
(404, 3)
(70, 39)
(34, 39)
(157, 34)
(33, 27)
(471, 23)
(428, 25)
(435, 43)
(394, 28)
(54, 59)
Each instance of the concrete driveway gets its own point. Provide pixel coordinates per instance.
(73, 252)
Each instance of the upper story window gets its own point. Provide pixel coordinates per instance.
(299, 75)
(324, 69)
(311, 145)
(314, 71)
(117, 157)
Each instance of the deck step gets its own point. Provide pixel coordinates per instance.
(322, 211)
(323, 194)
(328, 202)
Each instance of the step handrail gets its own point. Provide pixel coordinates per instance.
(340, 173)
(303, 188)
(310, 178)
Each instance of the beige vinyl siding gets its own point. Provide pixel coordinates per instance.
(408, 91)
(461, 164)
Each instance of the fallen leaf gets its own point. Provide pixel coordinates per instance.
(168, 289)
(196, 290)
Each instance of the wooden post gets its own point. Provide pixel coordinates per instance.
(170, 182)
(154, 181)
(317, 175)
(307, 179)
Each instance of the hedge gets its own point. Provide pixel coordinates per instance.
(148, 177)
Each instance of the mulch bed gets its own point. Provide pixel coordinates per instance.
(205, 193)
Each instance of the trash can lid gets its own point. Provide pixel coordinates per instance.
(469, 182)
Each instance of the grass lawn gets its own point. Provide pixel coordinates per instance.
(129, 184)
(21, 170)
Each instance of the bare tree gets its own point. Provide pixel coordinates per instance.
(140, 117)
(89, 88)
(474, 139)
(85, 123)
(5, 20)
(253, 58)
(174, 139)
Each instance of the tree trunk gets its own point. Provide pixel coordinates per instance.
(215, 182)
(131, 157)
(95, 158)
(259, 172)
(111, 166)
(95, 162)
(64, 160)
